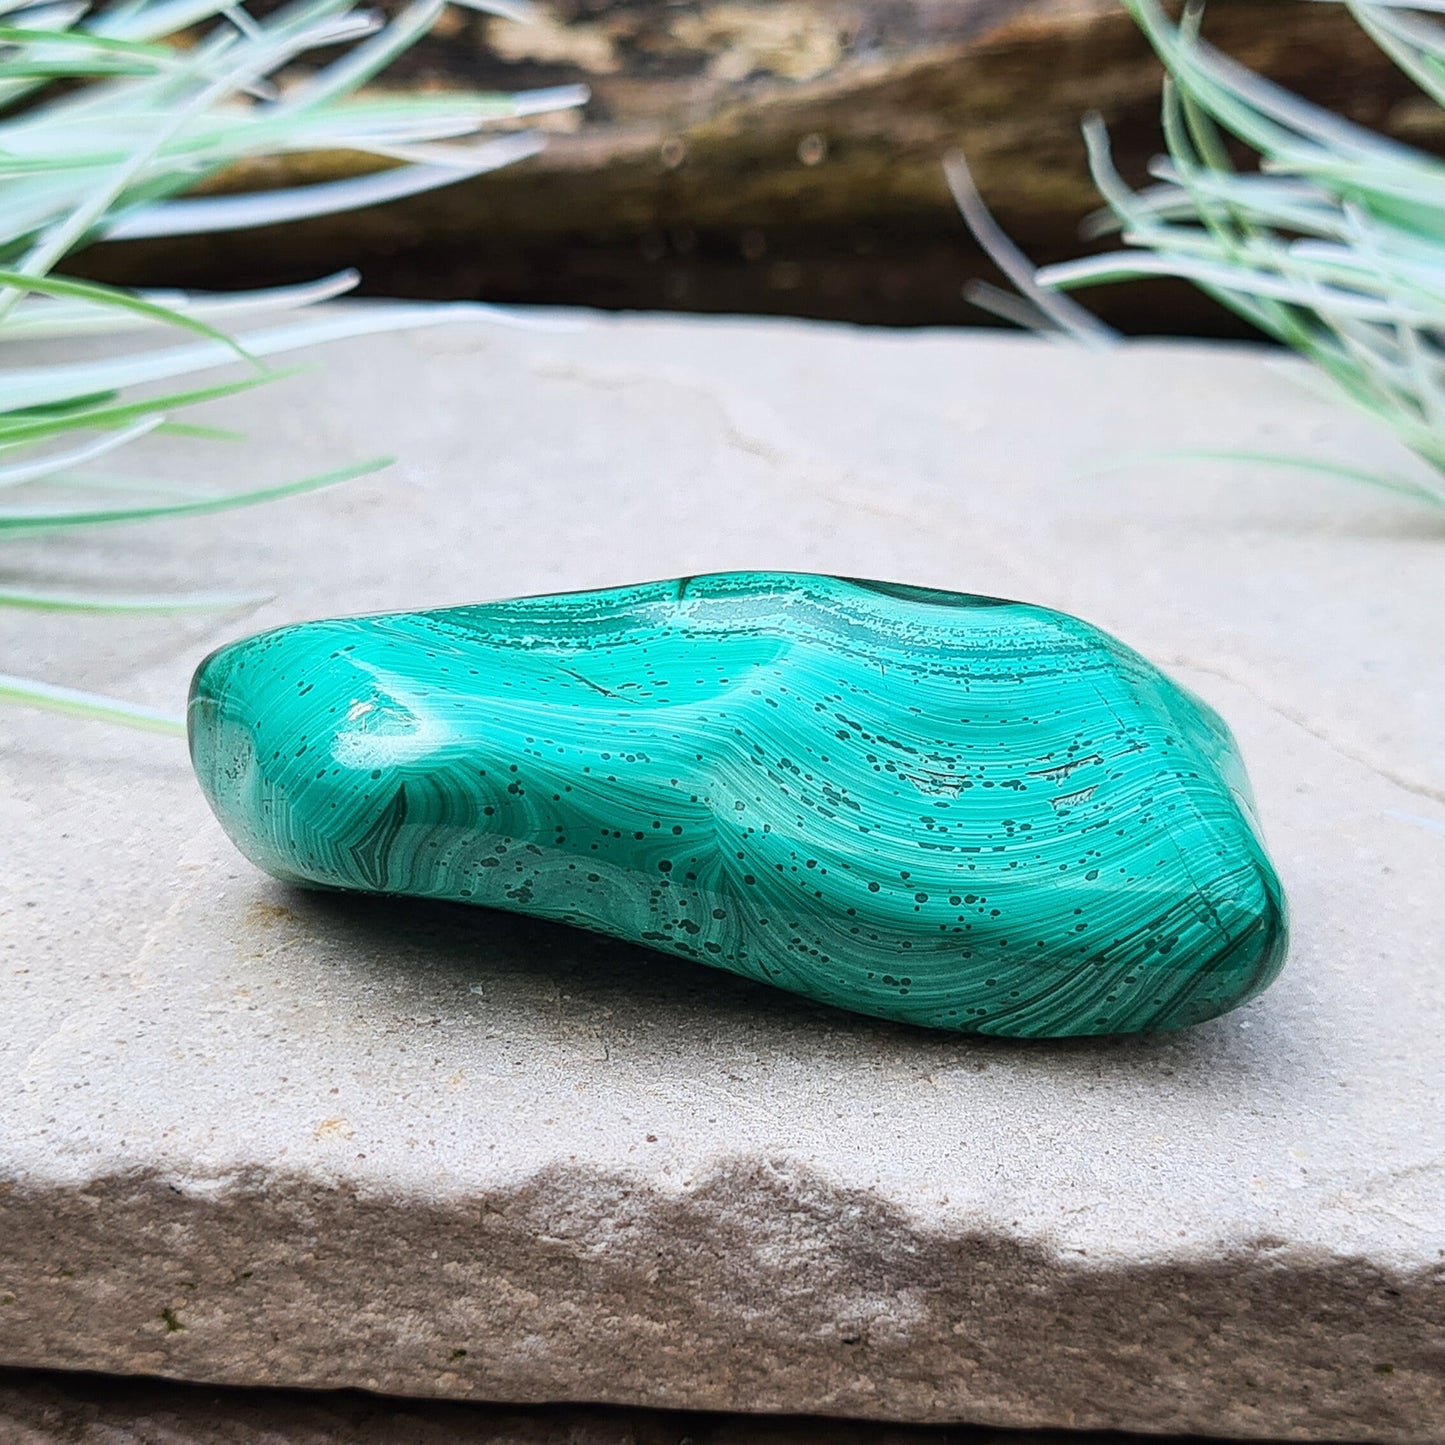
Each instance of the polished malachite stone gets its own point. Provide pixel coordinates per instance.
(951, 810)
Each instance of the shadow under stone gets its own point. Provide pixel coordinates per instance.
(444, 948)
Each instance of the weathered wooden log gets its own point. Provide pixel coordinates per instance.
(784, 156)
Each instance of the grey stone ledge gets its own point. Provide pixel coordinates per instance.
(254, 1136)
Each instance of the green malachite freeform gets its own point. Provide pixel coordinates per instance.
(949, 810)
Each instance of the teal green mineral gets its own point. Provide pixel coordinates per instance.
(949, 810)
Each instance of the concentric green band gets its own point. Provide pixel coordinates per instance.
(949, 810)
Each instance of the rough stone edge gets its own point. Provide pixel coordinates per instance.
(48, 1407)
(761, 1287)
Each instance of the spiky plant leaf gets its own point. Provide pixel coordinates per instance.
(1335, 244)
(142, 119)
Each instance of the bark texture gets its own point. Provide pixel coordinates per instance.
(783, 156)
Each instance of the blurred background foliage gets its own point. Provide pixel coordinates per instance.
(746, 156)
(784, 156)
(108, 117)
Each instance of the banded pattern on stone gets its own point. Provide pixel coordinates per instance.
(948, 810)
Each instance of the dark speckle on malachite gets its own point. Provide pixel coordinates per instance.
(949, 810)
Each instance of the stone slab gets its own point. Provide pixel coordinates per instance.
(254, 1136)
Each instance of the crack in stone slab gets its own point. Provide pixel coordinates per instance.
(1401, 780)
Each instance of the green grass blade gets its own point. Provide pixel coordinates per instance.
(93, 706)
(13, 521)
(30, 425)
(18, 473)
(54, 318)
(45, 600)
(116, 299)
(1384, 481)
(326, 198)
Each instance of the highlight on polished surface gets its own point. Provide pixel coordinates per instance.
(927, 806)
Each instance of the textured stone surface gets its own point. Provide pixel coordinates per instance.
(256, 1136)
